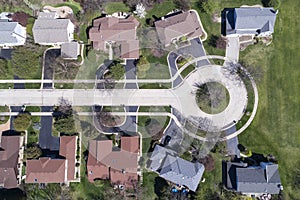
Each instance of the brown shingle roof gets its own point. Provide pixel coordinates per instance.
(121, 166)
(116, 30)
(9, 155)
(130, 144)
(175, 26)
(46, 170)
(68, 150)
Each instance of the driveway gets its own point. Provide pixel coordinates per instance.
(233, 49)
(232, 143)
(174, 132)
(46, 140)
(172, 57)
(130, 124)
(48, 73)
(195, 49)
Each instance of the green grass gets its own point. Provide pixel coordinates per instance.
(275, 128)
(4, 119)
(148, 185)
(113, 7)
(159, 10)
(32, 134)
(187, 71)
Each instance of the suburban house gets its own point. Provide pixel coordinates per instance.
(11, 33)
(251, 180)
(119, 165)
(254, 21)
(119, 31)
(10, 160)
(54, 170)
(176, 25)
(70, 50)
(169, 166)
(50, 30)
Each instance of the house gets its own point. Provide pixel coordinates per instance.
(118, 31)
(120, 166)
(251, 180)
(70, 50)
(254, 21)
(169, 166)
(174, 26)
(50, 30)
(10, 170)
(54, 170)
(11, 33)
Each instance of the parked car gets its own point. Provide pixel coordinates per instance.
(167, 140)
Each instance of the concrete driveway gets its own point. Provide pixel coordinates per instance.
(233, 49)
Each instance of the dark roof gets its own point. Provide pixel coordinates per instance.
(252, 179)
(9, 155)
(250, 20)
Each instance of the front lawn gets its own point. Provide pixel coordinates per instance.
(113, 7)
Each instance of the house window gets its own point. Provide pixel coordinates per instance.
(91, 172)
(35, 180)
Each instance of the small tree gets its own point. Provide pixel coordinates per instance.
(140, 10)
(271, 3)
(183, 4)
(22, 122)
(32, 152)
(117, 70)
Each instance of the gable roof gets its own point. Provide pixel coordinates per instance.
(178, 25)
(250, 20)
(48, 170)
(12, 33)
(123, 163)
(70, 50)
(52, 30)
(175, 169)
(119, 30)
(254, 179)
(68, 150)
(9, 155)
(158, 155)
(182, 172)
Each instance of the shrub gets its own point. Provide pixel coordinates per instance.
(22, 122)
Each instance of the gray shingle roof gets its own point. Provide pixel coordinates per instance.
(182, 172)
(51, 30)
(70, 50)
(12, 33)
(259, 179)
(174, 169)
(250, 20)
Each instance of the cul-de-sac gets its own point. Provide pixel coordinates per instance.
(149, 99)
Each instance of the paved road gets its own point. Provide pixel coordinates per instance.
(181, 98)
